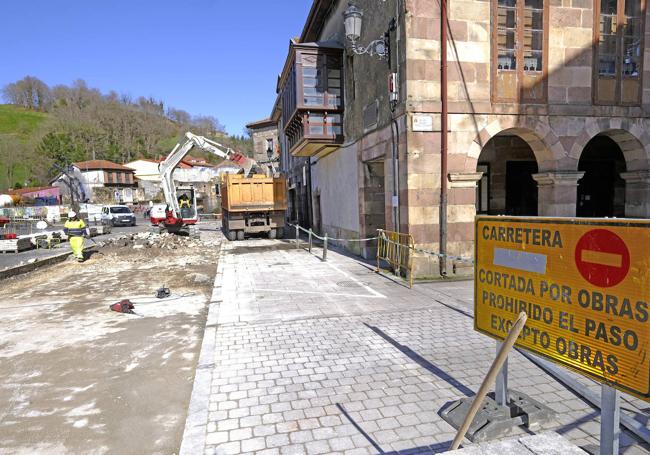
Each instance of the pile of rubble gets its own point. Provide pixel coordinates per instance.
(154, 240)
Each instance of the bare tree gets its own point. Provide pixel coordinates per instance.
(207, 124)
(179, 116)
(29, 92)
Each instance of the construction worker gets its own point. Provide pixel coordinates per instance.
(184, 201)
(75, 229)
(185, 206)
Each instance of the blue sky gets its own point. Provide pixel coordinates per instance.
(208, 57)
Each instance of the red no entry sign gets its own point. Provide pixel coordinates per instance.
(602, 258)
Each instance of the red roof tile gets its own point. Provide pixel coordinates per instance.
(100, 164)
(32, 189)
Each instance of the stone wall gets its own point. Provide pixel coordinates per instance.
(556, 131)
(260, 137)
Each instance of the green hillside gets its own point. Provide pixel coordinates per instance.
(15, 120)
(16, 124)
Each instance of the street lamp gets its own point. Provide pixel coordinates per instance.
(352, 20)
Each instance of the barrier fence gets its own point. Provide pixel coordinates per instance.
(396, 249)
(311, 234)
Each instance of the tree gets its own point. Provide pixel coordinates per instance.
(85, 124)
(179, 116)
(207, 125)
(29, 92)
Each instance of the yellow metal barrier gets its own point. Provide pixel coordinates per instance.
(396, 249)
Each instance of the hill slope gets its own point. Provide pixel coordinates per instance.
(18, 121)
(17, 125)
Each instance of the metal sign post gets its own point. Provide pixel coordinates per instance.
(610, 429)
(501, 384)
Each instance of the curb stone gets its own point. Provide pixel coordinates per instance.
(194, 434)
(30, 267)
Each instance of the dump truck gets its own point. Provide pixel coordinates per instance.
(254, 204)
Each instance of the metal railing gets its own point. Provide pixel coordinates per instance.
(310, 236)
(397, 250)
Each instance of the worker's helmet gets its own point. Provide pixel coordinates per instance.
(72, 214)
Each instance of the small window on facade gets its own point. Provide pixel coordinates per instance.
(619, 50)
(519, 49)
(506, 35)
(483, 189)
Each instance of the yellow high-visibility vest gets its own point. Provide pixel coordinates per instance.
(75, 228)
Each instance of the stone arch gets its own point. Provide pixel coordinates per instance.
(630, 137)
(546, 146)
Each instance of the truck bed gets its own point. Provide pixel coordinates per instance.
(254, 193)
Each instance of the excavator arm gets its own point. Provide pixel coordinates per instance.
(180, 151)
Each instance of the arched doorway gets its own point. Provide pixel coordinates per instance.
(601, 191)
(507, 186)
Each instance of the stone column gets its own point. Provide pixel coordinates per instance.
(557, 192)
(460, 218)
(637, 193)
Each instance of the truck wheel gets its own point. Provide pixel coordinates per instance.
(231, 235)
(240, 235)
(272, 233)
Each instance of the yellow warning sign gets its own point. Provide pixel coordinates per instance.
(584, 284)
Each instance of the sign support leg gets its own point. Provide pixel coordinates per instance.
(501, 384)
(610, 429)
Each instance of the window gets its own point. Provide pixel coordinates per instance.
(483, 189)
(321, 80)
(619, 47)
(519, 50)
(269, 144)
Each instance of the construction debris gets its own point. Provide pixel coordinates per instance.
(143, 240)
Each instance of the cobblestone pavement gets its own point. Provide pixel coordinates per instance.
(302, 356)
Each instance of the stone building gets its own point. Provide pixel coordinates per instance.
(265, 137)
(107, 183)
(548, 115)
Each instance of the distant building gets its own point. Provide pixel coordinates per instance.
(148, 177)
(41, 195)
(265, 137)
(205, 177)
(109, 182)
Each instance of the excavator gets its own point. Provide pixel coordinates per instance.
(181, 214)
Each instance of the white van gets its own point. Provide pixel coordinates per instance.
(117, 215)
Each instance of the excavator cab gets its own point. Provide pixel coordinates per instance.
(187, 204)
(186, 219)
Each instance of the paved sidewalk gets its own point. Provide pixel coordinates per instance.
(302, 356)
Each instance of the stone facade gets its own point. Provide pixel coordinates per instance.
(542, 144)
(265, 135)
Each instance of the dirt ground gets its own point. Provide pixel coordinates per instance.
(79, 378)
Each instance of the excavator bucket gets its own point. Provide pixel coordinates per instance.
(245, 162)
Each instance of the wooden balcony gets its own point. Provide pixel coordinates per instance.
(311, 89)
